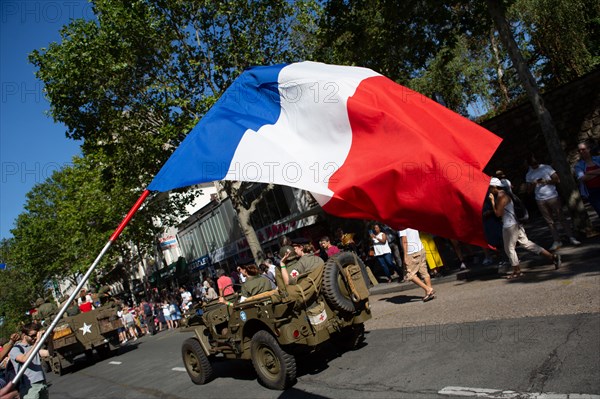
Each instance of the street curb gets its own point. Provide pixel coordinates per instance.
(477, 272)
(538, 232)
(528, 262)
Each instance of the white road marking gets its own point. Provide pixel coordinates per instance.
(178, 369)
(500, 394)
(113, 362)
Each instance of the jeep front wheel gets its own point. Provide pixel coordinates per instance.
(196, 363)
(275, 367)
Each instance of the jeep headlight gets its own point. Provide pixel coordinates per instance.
(62, 331)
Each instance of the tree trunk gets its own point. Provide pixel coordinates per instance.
(235, 191)
(250, 234)
(499, 70)
(569, 189)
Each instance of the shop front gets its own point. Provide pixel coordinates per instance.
(200, 268)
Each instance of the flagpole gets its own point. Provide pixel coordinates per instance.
(77, 289)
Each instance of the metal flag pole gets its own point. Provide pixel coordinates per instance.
(77, 289)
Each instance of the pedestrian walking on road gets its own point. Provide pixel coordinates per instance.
(542, 180)
(415, 261)
(513, 233)
(587, 171)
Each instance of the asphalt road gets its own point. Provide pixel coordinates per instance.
(538, 334)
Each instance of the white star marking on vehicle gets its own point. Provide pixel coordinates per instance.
(86, 328)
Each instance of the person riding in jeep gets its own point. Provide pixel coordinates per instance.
(255, 283)
(295, 262)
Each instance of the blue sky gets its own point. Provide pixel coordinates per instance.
(32, 146)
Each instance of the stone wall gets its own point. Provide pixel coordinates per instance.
(575, 109)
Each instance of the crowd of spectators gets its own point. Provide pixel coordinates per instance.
(406, 255)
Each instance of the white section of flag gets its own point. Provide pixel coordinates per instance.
(312, 137)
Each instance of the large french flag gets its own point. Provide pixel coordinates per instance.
(363, 145)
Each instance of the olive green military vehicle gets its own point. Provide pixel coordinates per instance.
(329, 303)
(82, 334)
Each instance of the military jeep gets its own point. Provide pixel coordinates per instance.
(82, 334)
(329, 303)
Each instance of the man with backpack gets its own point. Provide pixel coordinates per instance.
(513, 232)
(32, 384)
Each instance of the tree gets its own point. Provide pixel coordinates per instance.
(394, 38)
(133, 82)
(448, 50)
(455, 75)
(441, 50)
(453, 55)
(66, 222)
(15, 291)
(563, 34)
(559, 161)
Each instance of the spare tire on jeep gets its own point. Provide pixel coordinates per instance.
(345, 292)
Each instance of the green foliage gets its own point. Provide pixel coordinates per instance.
(394, 38)
(449, 50)
(130, 84)
(455, 74)
(67, 221)
(439, 49)
(15, 290)
(563, 34)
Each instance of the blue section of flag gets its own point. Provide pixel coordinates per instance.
(2, 266)
(205, 155)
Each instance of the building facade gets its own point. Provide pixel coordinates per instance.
(211, 238)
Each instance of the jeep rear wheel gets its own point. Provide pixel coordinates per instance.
(275, 367)
(196, 363)
(334, 286)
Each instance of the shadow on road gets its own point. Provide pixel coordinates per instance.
(231, 368)
(399, 299)
(311, 363)
(298, 393)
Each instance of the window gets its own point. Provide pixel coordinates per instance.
(272, 208)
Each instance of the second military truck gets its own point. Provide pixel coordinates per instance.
(82, 334)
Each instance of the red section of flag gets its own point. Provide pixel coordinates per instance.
(413, 163)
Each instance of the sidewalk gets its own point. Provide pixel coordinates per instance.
(585, 255)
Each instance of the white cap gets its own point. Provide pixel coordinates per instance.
(494, 181)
